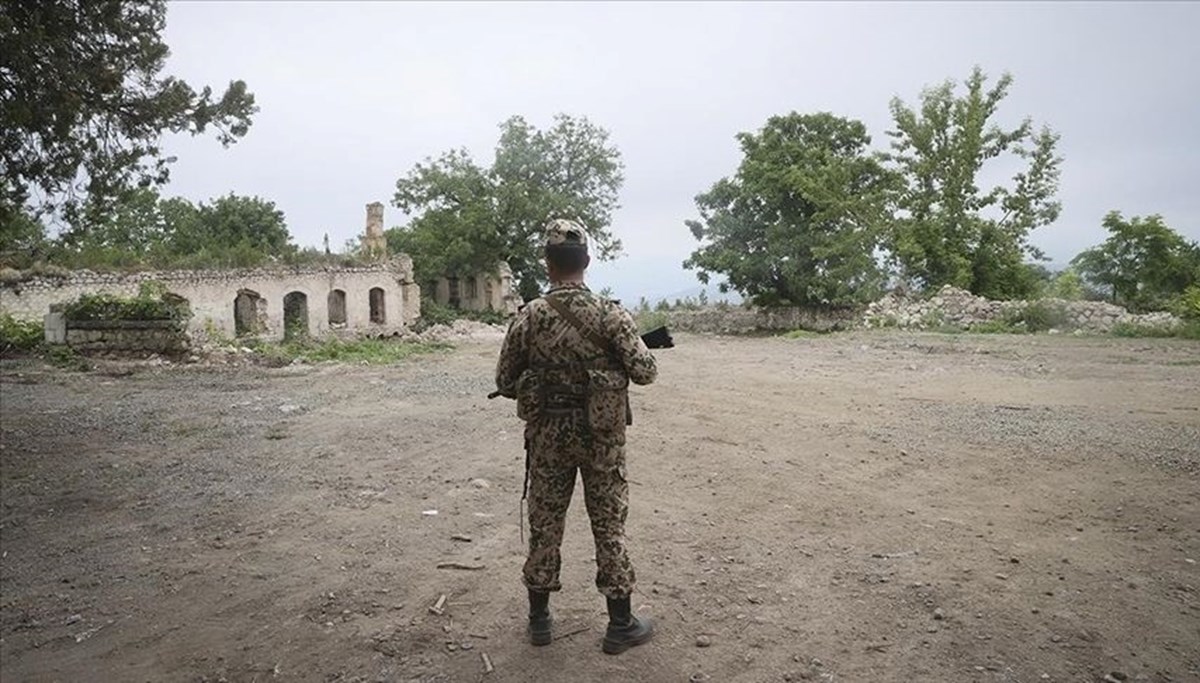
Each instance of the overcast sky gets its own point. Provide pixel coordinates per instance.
(352, 95)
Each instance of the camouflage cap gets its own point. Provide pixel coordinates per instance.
(561, 232)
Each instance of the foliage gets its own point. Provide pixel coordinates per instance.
(1037, 316)
(799, 221)
(1143, 264)
(1187, 306)
(1066, 285)
(23, 239)
(1125, 329)
(802, 334)
(67, 358)
(148, 305)
(359, 351)
(466, 217)
(146, 231)
(949, 230)
(996, 327)
(85, 104)
(19, 335)
(433, 313)
(650, 320)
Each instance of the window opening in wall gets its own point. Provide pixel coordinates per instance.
(295, 315)
(454, 296)
(337, 308)
(378, 311)
(472, 287)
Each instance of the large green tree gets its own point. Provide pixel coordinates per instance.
(84, 105)
(465, 217)
(1143, 265)
(799, 222)
(949, 230)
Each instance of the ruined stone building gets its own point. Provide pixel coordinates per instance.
(480, 292)
(271, 303)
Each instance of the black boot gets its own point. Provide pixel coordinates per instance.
(539, 618)
(624, 629)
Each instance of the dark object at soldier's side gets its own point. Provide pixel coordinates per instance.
(658, 338)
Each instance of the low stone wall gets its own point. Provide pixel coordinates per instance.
(740, 320)
(959, 308)
(127, 336)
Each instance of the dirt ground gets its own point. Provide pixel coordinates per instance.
(858, 507)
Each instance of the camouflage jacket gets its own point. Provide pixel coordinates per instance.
(554, 370)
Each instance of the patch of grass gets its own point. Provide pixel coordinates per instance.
(996, 327)
(368, 351)
(1135, 330)
(67, 358)
(806, 334)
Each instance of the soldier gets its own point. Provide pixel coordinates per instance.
(568, 359)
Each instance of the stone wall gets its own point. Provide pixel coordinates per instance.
(380, 298)
(127, 336)
(740, 320)
(959, 308)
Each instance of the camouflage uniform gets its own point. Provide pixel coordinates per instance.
(573, 397)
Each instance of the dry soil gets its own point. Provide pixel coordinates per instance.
(858, 507)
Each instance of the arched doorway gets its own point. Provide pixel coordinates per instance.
(337, 308)
(249, 313)
(295, 315)
(378, 309)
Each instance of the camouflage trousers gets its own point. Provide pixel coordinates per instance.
(556, 452)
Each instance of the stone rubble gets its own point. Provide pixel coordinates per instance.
(959, 308)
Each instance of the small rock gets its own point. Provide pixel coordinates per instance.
(467, 645)
(703, 641)
(1002, 577)
(481, 483)
(74, 618)
(938, 614)
(1056, 639)
(288, 408)
(1116, 676)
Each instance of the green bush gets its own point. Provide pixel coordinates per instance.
(651, 320)
(1187, 306)
(19, 335)
(433, 313)
(1038, 316)
(67, 358)
(145, 306)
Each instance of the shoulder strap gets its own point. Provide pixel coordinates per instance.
(573, 320)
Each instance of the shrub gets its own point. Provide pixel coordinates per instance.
(19, 335)
(1187, 306)
(67, 358)
(1066, 285)
(650, 320)
(1038, 316)
(142, 307)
